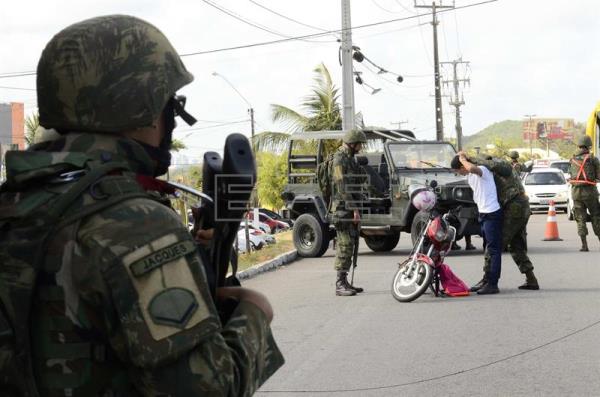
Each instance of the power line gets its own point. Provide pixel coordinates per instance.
(330, 31)
(457, 37)
(383, 8)
(18, 88)
(284, 40)
(247, 21)
(288, 18)
(406, 8)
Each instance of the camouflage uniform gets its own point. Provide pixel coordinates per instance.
(518, 167)
(346, 177)
(122, 306)
(348, 181)
(515, 207)
(585, 193)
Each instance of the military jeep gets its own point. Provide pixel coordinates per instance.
(393, 161)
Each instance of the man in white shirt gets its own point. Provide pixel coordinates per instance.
(485, 196)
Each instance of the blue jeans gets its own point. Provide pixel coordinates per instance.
(491, 228)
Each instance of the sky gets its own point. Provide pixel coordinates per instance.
(525, 57)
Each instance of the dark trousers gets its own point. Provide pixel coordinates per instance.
(491, 228)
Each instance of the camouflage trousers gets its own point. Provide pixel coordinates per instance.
(580, 210)
(345, 232)
(514, 235)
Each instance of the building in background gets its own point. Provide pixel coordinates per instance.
(12, 125)
(12, 129)
(548, 129)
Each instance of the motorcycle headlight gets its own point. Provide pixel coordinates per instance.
(459, 193)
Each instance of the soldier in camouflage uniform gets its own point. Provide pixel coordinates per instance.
(122, 306)
(585, 173)
(517, 166)
(515, 206)
(346, 180)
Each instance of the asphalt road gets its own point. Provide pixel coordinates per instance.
(516, 343)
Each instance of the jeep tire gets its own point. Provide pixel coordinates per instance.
(383, 243)
(311, 236)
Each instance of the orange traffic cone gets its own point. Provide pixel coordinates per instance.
(551, 225)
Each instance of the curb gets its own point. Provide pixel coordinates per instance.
(280, 260)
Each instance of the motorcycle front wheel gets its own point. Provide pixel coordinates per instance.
(411, 280)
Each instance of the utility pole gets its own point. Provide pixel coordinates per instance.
(456, 101)
(439, 123)
(347, 69)
(251, 111)
(400, 123)
(530, 116)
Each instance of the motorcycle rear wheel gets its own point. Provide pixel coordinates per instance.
(411, 280)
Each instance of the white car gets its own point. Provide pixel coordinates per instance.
(543, 185)
(564, 166)
(256, 242)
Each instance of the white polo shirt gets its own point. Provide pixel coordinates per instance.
(484, 191)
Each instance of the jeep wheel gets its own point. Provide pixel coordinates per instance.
(419, 222)
(311, 237)
(383, 243)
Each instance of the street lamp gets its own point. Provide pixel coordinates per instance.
(250, 108)
(529, 132)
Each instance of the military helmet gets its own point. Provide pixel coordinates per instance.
(584, 141)
(355, 136)
(513, 154)
(107, 74)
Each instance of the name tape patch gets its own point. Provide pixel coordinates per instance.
(161, 257)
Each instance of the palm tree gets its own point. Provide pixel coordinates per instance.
(32, 125)
(322, 113)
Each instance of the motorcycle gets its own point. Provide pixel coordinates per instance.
(425, 265)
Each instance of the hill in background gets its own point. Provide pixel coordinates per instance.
(509, 132)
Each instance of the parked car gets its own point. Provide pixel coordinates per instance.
(256, 242)
(543, 185)
(276, 216)
(261, 234)
(274, 225)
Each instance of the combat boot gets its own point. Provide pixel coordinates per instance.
(482, 283)
(488, 289)
(531, 282)
(342, 288)
(584, 246)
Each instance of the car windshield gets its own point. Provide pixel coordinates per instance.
(545, 178)
(422, 155)
(564, 167)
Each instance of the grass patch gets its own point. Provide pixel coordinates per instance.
(284, 244)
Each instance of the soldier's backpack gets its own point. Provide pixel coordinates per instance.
(324, 178)
(25, 230)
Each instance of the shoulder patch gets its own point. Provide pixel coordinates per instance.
(160, 257)
(173, 306)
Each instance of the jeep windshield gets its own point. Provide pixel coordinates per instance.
(422, 155)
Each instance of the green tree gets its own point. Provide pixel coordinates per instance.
(321, 112)
(177, 145)
(32, 125)
(272, 169)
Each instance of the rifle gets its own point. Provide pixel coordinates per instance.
(227, 185)
(355, 253)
